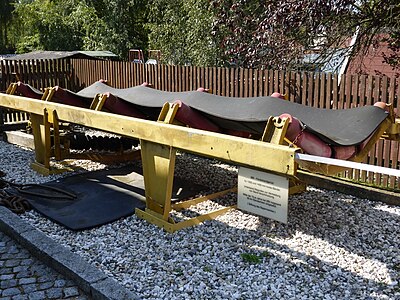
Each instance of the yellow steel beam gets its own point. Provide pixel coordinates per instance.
(256, 154)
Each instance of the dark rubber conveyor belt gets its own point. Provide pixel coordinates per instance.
(343, 127)
(101, 197)
(27, 90)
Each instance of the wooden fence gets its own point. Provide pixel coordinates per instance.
(38, 73)
(322, 90)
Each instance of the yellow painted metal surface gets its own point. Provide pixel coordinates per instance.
(260, 155)
(158, 171)
(275, 130)
(172, 227)
(159, 142)
(186, 204)
(98, 102)
(11, 89)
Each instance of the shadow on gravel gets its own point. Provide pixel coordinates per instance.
(342, 229)
(339, 230)
(334, 247)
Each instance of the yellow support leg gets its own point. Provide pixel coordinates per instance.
(158, 172)
(41, 125)
(41, 132)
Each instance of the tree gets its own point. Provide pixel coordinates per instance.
(53, 25)
(113, 25)
(6, 7)
(182, 31)
(380, 23)
(123, 25)
(275, 33)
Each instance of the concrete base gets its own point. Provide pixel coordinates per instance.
(346, 187)
(19, 138)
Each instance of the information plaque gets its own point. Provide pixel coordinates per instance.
(264, 194)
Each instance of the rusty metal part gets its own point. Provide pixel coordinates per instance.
(79, 141)
(16, 204)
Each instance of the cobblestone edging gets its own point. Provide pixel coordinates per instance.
(23, 276)
(93, 282)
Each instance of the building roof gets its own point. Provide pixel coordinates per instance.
(332, 64)
(63, 54)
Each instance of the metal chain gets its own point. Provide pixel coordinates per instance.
(18, 204)
(296, 139)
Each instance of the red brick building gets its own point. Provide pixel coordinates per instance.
(372, 63)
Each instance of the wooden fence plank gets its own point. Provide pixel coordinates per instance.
(394, 163)
(322, 91)
(260, 83)
(384, 90)
(271, 81)
(386, 161)
(245, 83)
(379, 161)
(376, 91)
(223, 82)
(392, 91)
(317, 82)
(250, 79)
(310, 98)
(276, 81)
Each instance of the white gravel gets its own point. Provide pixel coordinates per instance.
(335, 246)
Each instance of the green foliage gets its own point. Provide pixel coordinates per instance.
(182, 31)
(254, 258)
(6, 8)
(52, 25)
(123, 25)
(251, 258)
(66, 25)
(250, 33)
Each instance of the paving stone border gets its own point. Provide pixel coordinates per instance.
(95, 283)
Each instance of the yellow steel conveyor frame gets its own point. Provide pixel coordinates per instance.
(159, 142)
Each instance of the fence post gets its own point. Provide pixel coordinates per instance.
(1, 120)
(2, 77)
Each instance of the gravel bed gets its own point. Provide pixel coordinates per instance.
(335, 246)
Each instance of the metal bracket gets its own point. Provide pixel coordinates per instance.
(48, 94)
(11, 89)
(167, 114)
(275, 130)
(98, 101)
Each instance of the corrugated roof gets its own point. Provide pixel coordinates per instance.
(107, 54)
(63, 54)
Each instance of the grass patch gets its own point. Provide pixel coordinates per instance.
(251, 258)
